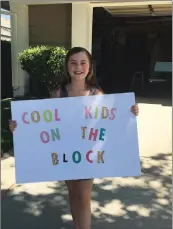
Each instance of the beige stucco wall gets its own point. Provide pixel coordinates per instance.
(50, 24)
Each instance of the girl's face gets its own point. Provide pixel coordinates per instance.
(78, 66)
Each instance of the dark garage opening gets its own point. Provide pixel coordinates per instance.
(133, 52)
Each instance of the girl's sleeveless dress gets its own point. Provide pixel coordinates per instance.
(63, 94)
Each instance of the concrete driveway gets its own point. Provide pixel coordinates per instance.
(122, 203)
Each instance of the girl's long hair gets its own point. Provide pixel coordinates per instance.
(90, 78)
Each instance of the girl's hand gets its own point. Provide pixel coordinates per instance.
(135, 109)
(12, 125)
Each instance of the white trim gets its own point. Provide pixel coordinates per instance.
(94, 3)
(130, 3)
(46, 2)
(14, 61)
(19, 42)
(82, 31)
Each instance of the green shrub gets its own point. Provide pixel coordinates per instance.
(45, 66)
(45, 63)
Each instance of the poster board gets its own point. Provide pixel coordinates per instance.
(75, 138)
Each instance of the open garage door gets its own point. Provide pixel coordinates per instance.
(140, 10)
(126, 8)
(132, 45)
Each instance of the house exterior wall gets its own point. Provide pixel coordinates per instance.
(50, 24)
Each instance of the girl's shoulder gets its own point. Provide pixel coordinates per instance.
(55, 93)
(59, 92)
(96, 90)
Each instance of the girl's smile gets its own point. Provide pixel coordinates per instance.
(78, 72)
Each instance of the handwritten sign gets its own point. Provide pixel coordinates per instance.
(75, 138)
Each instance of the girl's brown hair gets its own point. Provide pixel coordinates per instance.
(90, 78)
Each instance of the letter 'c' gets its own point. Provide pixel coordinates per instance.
(23, 118)
(87, 156)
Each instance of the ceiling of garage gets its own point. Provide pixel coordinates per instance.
(141, 10)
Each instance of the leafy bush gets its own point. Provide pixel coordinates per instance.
(46, 63)
(56, 62)
(45, 66)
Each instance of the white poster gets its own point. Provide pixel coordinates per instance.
(75, 138)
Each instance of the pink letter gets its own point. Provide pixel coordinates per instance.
(23, 118)
(44, 133)
(94, 134)
(88, 112)
(56, 115)
(87, 156)
(113, 110)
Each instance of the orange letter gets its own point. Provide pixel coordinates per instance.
(23, 118)
(33, 117)
(87, 156)
(55, 160)
(103, 112)
(83, 132)
(100, 157)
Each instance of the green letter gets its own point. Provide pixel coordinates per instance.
(49, 119)
(74, 157)
(55, 135)
(102, 134)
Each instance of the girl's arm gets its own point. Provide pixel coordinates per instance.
(12, 125)
(135, 109)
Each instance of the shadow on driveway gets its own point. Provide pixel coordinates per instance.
(122, 203)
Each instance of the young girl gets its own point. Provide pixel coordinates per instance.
(78, 81)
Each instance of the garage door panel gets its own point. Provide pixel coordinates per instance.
(141, 10)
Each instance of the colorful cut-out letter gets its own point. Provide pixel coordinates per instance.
(93, 134)
(88, 112)
(113, 110)
(55, 160)
(100, 157)
(47, 116)
(105, 109)
(64, 158)
(55, 134)
(23, 118)
(57, 118)
(35, 116)
(78, 159)
(102, 134)
(87, 156)
(83, 132)
(96, 113)
(44, 137)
